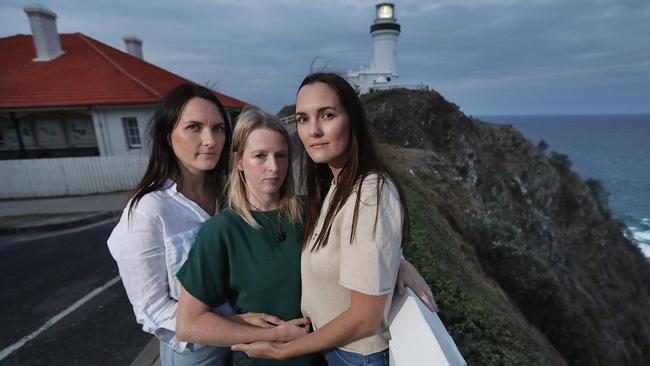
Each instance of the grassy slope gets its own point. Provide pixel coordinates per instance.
(486, 327)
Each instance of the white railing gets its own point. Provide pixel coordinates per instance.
(69, 176)
(288, 120)
(289, 123)
(418, 336)
(419, 86)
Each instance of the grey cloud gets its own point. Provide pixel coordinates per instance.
(488, 56)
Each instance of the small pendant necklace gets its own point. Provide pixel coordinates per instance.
(281, 236)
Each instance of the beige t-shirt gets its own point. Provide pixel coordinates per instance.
(368, 265)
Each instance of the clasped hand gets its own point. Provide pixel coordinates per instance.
(262, 349)
(285, 331)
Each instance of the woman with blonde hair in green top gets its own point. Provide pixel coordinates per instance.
(248, 254)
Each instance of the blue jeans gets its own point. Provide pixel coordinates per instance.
(195, 355)
(339, 357)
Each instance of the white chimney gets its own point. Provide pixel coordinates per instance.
(133, 46)
(44, 33)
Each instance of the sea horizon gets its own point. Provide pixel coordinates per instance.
(559, 114)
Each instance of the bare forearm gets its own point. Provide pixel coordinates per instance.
(345, 328)
(216, 330)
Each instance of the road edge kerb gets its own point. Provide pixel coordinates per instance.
(61, 225)
(149, 355)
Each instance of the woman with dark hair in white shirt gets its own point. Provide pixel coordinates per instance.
(179, 191)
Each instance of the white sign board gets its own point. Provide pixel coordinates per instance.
(418, 337)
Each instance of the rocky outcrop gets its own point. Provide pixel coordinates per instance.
(527, 263)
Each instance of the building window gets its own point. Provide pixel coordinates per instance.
(50, 133)
(132, 132)
(81, 131)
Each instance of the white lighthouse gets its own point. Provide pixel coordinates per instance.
(382, 72)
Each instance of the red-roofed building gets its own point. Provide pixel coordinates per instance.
(71, 95)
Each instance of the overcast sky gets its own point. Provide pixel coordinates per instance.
(487, 56)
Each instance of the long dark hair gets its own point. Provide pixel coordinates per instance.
(364, 159)
(162, 161)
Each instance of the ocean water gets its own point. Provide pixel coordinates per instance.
(614, 149)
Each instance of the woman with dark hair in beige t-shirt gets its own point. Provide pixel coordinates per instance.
(357, 222)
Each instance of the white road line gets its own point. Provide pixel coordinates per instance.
(7, 351)
(21, 238)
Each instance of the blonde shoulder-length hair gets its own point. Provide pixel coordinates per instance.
(247, 122)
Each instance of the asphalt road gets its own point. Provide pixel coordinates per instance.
(43, 277)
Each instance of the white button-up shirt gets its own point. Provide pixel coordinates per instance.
(149, 248)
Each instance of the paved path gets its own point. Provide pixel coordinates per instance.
(62, 205)
(43, 215)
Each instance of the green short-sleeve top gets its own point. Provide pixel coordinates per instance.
(251, 268)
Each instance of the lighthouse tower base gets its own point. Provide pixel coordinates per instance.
(366, 80)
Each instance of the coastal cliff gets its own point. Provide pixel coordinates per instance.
(526, 262)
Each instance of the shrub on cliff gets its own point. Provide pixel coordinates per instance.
(561, 162)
